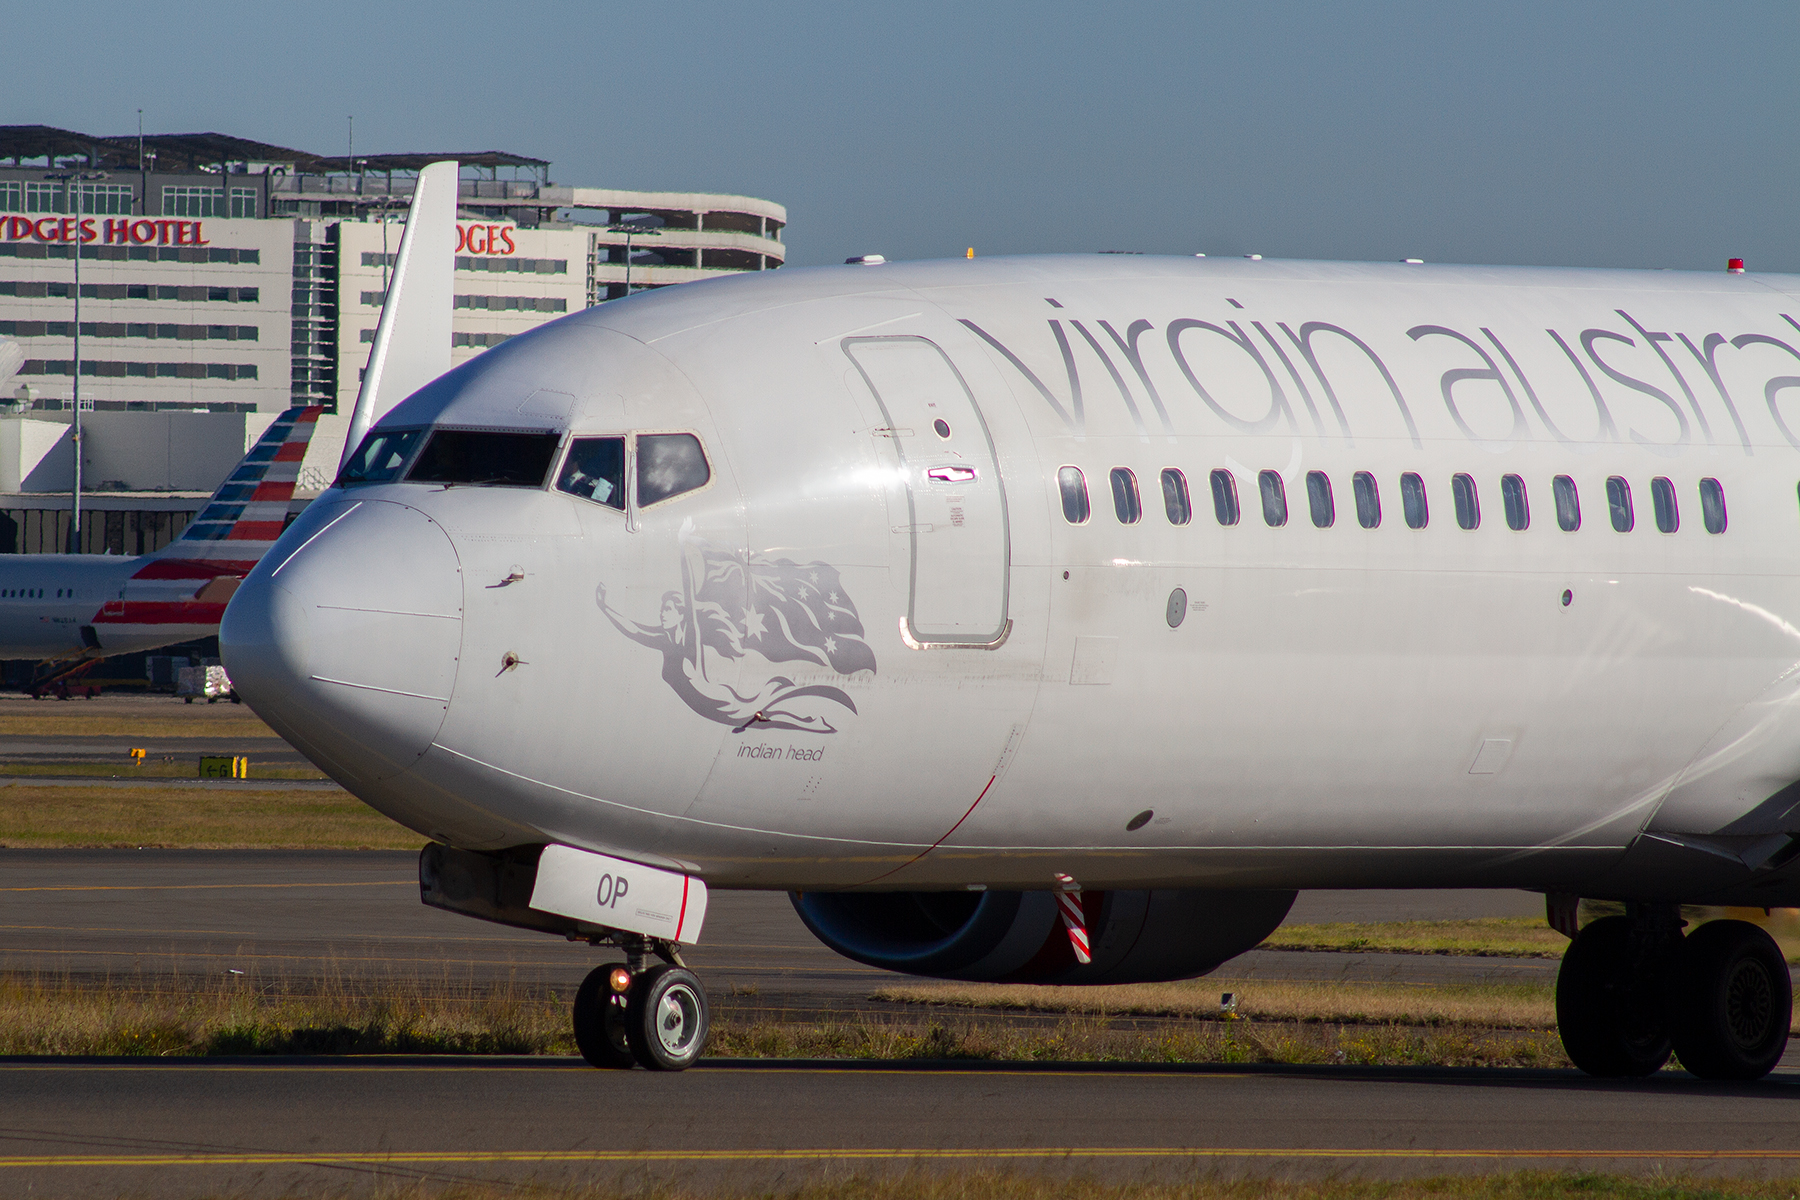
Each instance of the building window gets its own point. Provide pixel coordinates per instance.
(1318, 498)
(1468, 504)
(1618, 503)
(243, 202)
(1073, 486)
(1412, 501)
(1225, 498)
(1368, 499)
(501, 303)
(1515, 502)
(1568, 504)
(12, 196)
(1712, 505)
(478, 339)
(193, 202)
(1175, 497)
(1274, 498)
(1662, 500)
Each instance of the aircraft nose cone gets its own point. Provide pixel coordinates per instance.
(348, 646)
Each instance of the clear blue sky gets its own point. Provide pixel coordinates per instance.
(1615, 134)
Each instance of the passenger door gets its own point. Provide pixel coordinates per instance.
(956, 500)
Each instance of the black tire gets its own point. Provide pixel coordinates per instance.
(666, 1019)
(1612, 1026)
(600, 1023)
(1733, 1002)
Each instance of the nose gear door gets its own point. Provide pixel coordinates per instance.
(956, 500)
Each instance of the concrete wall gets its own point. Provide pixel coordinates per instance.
(127, 451)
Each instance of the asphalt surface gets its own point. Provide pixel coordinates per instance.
(296, 916)
(263, 1128)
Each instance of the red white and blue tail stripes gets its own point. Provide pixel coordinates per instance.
(189, 581)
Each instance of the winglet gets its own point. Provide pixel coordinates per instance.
(412, 342)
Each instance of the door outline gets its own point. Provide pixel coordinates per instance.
(988, 641)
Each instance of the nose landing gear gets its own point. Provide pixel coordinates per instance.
(1632, 990)
(628, 1013)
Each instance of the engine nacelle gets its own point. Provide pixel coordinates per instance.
(1018, 937)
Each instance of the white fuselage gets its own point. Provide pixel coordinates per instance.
(1336, 706)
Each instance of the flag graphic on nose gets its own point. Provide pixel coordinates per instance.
(734, 603)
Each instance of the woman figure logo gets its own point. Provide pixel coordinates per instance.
(685, 630)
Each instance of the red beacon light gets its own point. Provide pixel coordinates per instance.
(1735, 266)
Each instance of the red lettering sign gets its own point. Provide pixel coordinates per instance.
(87, 229)
(485, 239)
(143, 231)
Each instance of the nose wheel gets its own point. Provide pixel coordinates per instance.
(655, 1017)
(1631, 990)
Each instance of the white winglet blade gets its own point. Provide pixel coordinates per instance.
(619, 895)
(412, 343)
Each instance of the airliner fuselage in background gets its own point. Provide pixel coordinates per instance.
(1019, 612)
(76, 606)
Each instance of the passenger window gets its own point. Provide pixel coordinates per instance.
(379, 459)
(595, 470)
(1318, 498)
(485, 458)
(1468, 505)
(1618, 502)
(1175, 497)
(1127, 504)
(1662, 500)
(1225, 500)
(1568, 504)
(1073, 486)
(669, 464)
(1712, 505)
(1412, 501)
(1368, 499)
(1514, 501)
(1274, 498)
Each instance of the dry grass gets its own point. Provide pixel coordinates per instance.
(239, 1015)
(1065, 1183)
(25, 718)
(1493, 1006)
(180, 766)
(206, 818)
(1508, 937)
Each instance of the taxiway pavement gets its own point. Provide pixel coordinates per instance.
(280, 1128)
(355, 916)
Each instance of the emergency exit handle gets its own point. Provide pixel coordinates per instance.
(951, 474)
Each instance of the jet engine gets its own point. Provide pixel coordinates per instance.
(1019, 937)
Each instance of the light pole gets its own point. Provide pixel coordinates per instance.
(72, 187)
(628, 229)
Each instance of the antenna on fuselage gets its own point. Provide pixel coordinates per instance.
(412, 342)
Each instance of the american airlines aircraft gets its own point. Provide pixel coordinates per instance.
(76, 606)
(1055, 619)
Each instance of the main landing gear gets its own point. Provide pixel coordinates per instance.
(632, 1012)
(1632, 990)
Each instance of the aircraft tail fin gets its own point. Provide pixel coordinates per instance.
(248, 512)
(412, 340)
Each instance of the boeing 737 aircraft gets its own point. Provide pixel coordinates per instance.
(1054, 619)
(74, 606)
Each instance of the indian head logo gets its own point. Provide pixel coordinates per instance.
(745, 604)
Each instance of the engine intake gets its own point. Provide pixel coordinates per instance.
(1017, 937)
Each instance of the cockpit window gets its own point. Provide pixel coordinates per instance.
(668, 464)
(379, 459)
(595, 470)
(485, 457)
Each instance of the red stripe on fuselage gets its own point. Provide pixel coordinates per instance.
(194, 568)
(161, 612)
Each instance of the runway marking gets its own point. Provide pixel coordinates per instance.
(538, 1158)
(202, 887)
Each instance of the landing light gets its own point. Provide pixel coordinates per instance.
(620, 980)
